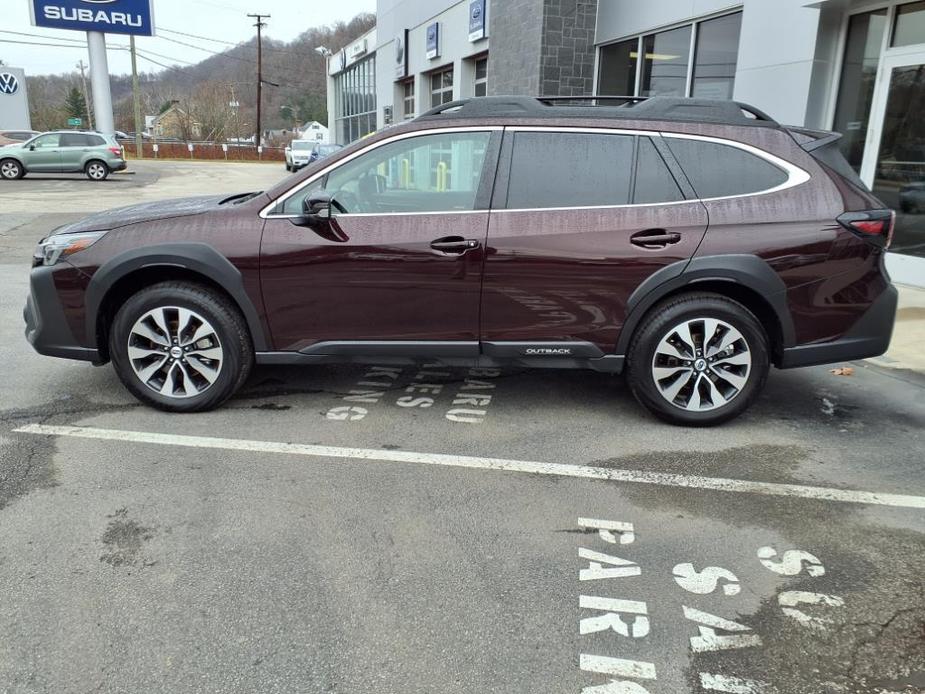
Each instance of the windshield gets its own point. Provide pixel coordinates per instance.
(328, 149)
(297, 144)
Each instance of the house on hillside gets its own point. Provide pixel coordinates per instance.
(313, 130)
(174, 123)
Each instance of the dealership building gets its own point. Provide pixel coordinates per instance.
(847, 65)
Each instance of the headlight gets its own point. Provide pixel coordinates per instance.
(52, 249)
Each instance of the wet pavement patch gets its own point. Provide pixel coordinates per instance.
(124, 539)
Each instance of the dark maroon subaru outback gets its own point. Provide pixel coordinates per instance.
(690, 244)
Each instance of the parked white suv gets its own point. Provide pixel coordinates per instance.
(298, 154)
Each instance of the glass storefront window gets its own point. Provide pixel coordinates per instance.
(858, 78)
(481, 77)
(716, 57)
(900, 176)
(669, 66)
(356, 101)
(441, 87)
(910, 25)
(617, 73)
(408, 99)
(667, 56)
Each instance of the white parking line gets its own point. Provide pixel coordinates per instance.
(537, 468)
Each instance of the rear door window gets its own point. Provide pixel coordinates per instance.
(716, 170)
(654, 182)
(558, 169)
(72, 140)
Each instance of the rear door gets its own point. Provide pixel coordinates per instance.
(580, 219)
(74, 146)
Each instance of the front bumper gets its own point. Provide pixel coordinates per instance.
(46, 326)
(869, 337)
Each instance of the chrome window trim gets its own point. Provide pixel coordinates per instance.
(265, 212)
(795, 175)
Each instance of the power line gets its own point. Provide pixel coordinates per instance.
(197, 36)
(242, 44)
(43, 36)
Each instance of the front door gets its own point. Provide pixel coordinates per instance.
(583, 219)
(400, 262)
(43, 154)
(894, 167)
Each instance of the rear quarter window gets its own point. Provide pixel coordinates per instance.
(716, 170)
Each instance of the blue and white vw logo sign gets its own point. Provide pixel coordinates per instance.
(8, 83)
(476, 12)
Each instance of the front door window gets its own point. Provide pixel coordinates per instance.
(428, 173)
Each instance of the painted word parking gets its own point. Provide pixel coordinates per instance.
(609, 572)
(464, 400)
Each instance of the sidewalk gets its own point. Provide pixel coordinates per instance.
(907, 350)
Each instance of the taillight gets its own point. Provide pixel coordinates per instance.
(875, 226)
(116, 150)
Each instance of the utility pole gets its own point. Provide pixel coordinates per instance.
(260, 24)
(83, 89)
(136, 98)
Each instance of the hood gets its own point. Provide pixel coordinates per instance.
(150, 211)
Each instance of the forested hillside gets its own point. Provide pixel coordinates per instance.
(209, 90)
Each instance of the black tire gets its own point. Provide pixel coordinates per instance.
(228, 323)
(96, 170)
(288, 168)
(660, 322)
(11, 169)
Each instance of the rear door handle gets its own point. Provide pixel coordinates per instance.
(654, 238)
(454, 244)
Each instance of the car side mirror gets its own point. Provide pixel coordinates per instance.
(316, 211)
(31, 148)
(317, 205)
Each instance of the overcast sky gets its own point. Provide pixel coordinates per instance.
(220, 19)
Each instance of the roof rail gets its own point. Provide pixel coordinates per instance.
(668, 108)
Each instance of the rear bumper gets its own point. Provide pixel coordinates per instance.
(869, 337)
(47, 329)
(120, 165)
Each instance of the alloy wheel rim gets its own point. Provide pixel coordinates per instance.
(175, 352)
(701, 364)
(9, 170)
(96, 170)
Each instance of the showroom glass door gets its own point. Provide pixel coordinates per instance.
(895, 169)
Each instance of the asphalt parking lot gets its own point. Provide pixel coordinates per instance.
(423, 529)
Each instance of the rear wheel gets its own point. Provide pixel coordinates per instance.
(96, 170)
(698, 360)
(11, 169)
(180, 347)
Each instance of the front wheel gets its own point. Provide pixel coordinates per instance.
(180, 347)
(96, 170)
(698, 360)
(11, 169)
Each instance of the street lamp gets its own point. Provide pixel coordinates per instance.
(323, 52)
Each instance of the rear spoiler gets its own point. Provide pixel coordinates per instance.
(811, 140)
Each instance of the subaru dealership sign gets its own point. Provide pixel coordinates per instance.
(106, 16)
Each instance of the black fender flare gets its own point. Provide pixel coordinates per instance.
(748, 271)
(200, 258)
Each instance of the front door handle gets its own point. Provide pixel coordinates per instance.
(454, 244)
(654, 238)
